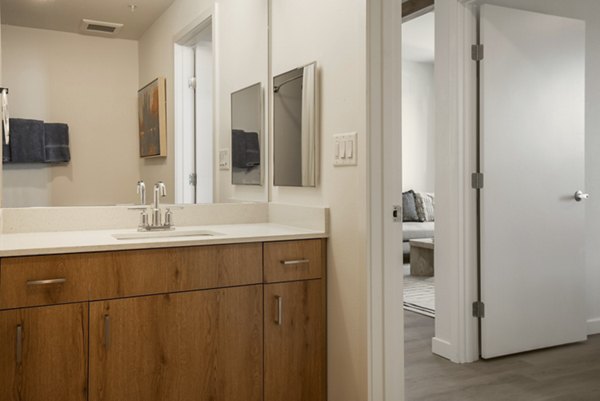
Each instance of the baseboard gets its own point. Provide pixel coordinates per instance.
(593, 326)
(442, 348)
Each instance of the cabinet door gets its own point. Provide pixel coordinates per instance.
(43, 353)
(203, 345)
(295, 353)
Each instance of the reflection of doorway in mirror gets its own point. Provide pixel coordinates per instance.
(194, 79)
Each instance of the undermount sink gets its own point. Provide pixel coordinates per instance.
(165, 234)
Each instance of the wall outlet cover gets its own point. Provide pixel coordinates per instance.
(224, 159)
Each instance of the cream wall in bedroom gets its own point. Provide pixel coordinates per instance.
(418, 134)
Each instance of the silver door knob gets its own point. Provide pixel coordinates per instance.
(579, 196)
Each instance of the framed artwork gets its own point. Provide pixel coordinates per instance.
(152, 116)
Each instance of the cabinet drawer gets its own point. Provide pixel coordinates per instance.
(43, 280)
(56, 279)
(205, 267)
(293, 260)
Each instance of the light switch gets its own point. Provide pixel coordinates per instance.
(345, 149)
(224, 159)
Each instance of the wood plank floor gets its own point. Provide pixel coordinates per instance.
(568, 373)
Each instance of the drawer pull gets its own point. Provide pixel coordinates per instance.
(19, 345)
(47, 282)
(279, 308)
(294, 262)
(106, 331)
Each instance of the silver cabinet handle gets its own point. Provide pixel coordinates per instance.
(19, 345)
(579, 196)
(47, 282)
(279, 307)
(106, 331)
(294, 262)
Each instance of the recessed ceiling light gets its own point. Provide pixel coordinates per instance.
(132, 7)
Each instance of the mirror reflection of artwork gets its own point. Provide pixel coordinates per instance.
(246, 129)
(152, 119)
(294, 128)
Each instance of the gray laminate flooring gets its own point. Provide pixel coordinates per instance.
(568, 373)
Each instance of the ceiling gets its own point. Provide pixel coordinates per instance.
(418, 39)
(66, 15)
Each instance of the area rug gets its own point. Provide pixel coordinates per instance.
(419, 295)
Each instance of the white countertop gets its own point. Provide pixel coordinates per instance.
(44, 243)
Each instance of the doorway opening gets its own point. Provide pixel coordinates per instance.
(194, 117)
(418, 163)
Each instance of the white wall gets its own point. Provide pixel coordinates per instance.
(333, 33)
(589, 11)
(90, 83)
(418, 123)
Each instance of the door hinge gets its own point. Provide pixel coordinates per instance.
(477, 180)
(478, 309)
(192, 83)
(193, 179)
(397, 213)
(477, 52)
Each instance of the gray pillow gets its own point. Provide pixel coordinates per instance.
(409, 207)
(425, 206)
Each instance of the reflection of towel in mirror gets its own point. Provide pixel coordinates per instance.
(5, 148)
(245, 149)
(26, 141)
(57, 143)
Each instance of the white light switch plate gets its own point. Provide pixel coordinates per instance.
(344, 149)
(224, 159)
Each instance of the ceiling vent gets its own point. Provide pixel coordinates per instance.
(100, 27)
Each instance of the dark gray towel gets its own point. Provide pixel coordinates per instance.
(5, 148)
(245, 148)
(57, 143)
(26, 141)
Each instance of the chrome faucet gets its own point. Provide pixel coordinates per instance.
(156, 220)
(160, 190)
(141, 191)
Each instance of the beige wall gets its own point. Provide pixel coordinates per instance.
(242, 49)
(333, 33)
(156, 58)
(89, 83)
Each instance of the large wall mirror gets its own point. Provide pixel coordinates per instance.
(294, 128)
(61, 72)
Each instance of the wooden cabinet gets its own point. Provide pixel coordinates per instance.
(295, 321)
(295, 342)
(241, 322)
(43, 353)
(197, 346)
(293, 260)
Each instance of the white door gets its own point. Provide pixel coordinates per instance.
(532, 157)
(204, 147)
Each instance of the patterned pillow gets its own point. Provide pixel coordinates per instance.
(424, 203)
(409, 208)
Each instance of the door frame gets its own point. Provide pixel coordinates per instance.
(456, 229)
(182, 39)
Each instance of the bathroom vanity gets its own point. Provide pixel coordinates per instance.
(222, 321)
